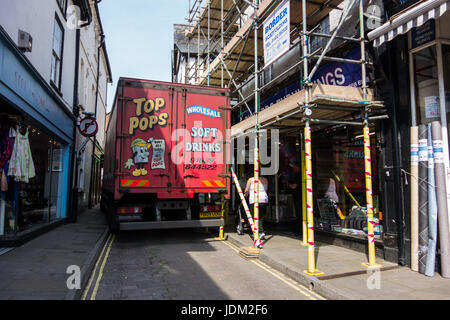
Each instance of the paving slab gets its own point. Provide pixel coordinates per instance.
(37, 269)
(344, 276)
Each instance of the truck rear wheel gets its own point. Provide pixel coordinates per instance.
(113, 222)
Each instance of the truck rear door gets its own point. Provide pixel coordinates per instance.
(146, 143)
(204, 115)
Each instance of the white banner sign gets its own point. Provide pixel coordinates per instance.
(276, 33)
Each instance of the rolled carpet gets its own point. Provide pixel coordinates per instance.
(414, 198)
(432, 211)
(423, 197)
(441, 196)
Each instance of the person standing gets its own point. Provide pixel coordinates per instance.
(263, 200)
(294, 179)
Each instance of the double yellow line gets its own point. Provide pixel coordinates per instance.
(102, 258)
(293, 284)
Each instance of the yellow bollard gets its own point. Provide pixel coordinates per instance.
(369, 205)
(222, 210)
(312, 271)
(304, 214)
(256, 241)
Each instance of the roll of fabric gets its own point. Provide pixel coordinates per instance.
(432, 211)
(414, 198)
(441, 196)
(423, 197)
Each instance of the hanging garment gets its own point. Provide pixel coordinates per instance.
(7, 136)
(4, 181)
(21, 165)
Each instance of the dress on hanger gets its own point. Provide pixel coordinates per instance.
(21, 165)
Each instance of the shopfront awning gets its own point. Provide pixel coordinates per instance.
(407, 19)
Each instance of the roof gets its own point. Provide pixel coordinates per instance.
(181, 42)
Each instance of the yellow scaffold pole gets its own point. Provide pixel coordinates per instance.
(222, 211)
(367, 155)
(369, 199)
(312, 271)
(256, 190)
(304, 208)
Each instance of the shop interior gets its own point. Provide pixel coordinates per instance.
(31, 201)
(338, 182)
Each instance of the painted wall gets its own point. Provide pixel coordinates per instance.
(37, 18)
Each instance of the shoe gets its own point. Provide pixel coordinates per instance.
(143, 172)
(137, 172)
(262, 235)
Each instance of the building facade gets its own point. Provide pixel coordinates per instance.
(93, 80)
(39, 109)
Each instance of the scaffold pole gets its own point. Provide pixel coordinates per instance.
(312, 271)
(367, 153)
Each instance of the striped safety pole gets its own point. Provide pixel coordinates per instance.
(222, 210)
(369, 199)
(309, 205)
(256, 190)
(304, 208)
(246, 209)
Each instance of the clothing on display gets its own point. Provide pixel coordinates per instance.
(30, 169)
(21, 165)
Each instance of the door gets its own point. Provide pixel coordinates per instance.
(145, 138)
(204, 115)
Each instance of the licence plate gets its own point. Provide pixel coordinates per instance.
(210, 215)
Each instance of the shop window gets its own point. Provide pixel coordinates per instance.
(446, 74)
(339, 181)
(31, 174)
(57, 53)
(427, 85)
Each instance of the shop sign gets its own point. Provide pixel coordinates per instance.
(423, 34)
(276, 33)
(339, 73)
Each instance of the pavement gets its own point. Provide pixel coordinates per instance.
(344, 277)
(37, 269)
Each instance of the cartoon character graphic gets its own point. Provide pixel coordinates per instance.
(141, 155)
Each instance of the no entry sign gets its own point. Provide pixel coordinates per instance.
(88, 127)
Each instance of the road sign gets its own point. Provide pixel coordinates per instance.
(88, 127)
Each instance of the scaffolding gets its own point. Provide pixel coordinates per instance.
(235, 27)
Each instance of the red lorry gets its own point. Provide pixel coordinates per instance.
(166, 156)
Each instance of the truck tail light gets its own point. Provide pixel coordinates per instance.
(209, 208)
(129, 210)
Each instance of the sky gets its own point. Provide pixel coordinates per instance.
(139, 37)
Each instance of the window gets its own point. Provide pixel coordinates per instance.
(57, 52)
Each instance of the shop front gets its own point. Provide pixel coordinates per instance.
(421, 29)
(36, 129)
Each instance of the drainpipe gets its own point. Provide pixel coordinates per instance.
(93, 183)
(73, 183)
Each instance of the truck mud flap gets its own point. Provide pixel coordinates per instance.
(148, 225)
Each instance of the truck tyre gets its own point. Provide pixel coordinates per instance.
(103, 208)
(113, 223)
